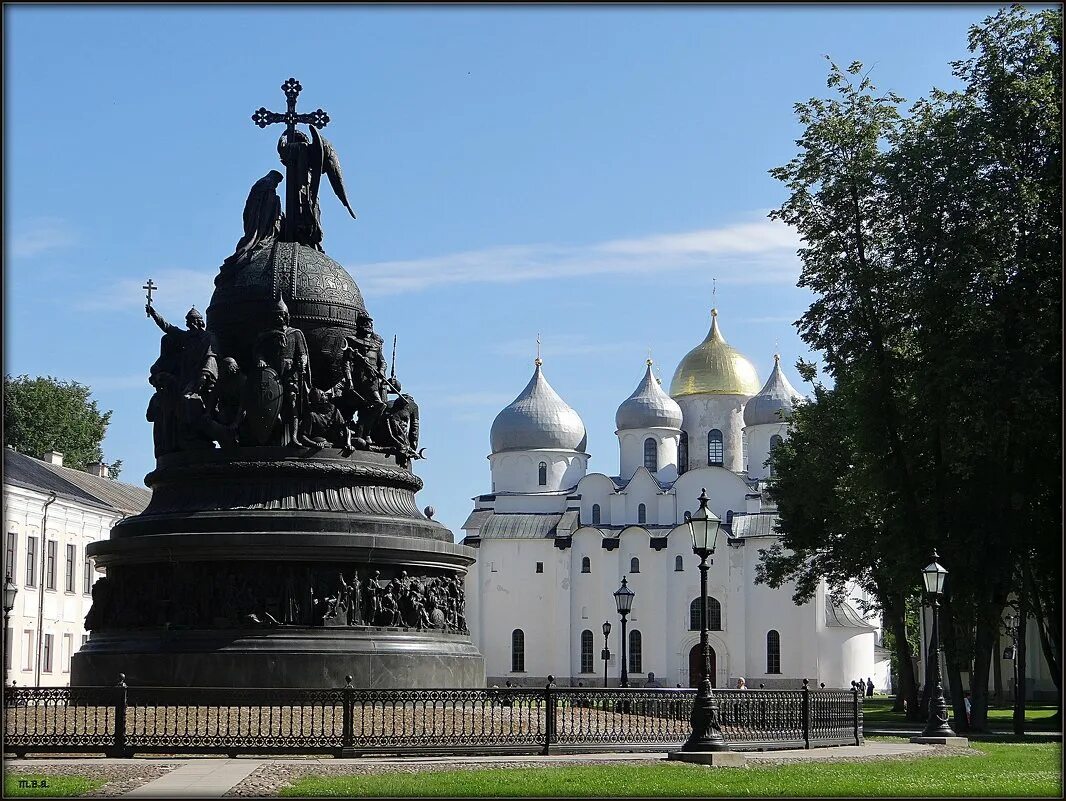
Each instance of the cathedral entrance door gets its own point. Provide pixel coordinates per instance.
(695, 666)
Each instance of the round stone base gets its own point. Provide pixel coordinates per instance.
(376, 658)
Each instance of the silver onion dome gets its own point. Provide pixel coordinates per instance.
(537, 418)
(775, 400)
(648, 407)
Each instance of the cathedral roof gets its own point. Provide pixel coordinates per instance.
(714, 367)
(777, 395)
(648, 407)
(537, 418)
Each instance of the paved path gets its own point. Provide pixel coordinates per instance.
(211, 777)
(200, 778)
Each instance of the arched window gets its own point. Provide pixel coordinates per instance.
(586, 564)
(682, 453)
(651, 454)
(679, 564)
(642, 513)
(542, 474)
(586, 652)
(518, 651)
(715, 454)
(634, 565)
(595, 514)
(636, 661)
(773, 652)
(775, 440)
(714, 615)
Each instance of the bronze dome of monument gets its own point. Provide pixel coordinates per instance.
(322, 298)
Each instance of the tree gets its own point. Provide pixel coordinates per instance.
(932, 243)
(45, 414)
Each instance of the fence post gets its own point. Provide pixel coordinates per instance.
(119, 747)
(855, 710)
(806, 714)
(549, 715)
(348, 720)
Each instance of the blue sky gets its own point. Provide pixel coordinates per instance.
(580, 172)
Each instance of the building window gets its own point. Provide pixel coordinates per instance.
(31, 561)
(518, 651)
(634, 565)
(46, 656)
(651, 454)
(68, 643)
(682, 453)
(586, 564)
(595, 514)
(679, 564)
(28, 638)
(636, 661)
(50, 566)
(540, 567)
(642, 514)
(87, 577)
(714, 615)
(715, 454)
(9, 554)
(775, 440)
(586, 652)
(492, 567)
(69, 586)
(773, 652)
(542, 474)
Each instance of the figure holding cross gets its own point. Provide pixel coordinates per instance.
(305, 160)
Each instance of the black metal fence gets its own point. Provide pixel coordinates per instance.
(121, 720)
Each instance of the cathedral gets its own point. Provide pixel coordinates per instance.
(555, 542)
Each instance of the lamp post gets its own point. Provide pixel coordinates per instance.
(933, 576)
(1011, 651)
(623, 602)
(10, 591)
(606, 655)
(706, 734)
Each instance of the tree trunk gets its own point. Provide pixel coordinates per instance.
(953, 674)
(997, 671)
(1019, 690)
(894, 609)
(984, 641)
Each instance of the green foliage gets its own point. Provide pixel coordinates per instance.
(1001, 771)
(45, 414)
(37, 785)
(932, 243)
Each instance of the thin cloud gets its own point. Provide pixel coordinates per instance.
(553, 346)
(178, 290)
(761, 252)
(40, 236)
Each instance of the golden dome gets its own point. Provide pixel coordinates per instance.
(715, 367)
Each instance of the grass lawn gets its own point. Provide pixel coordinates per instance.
(36, 785)
(1038, 717)
(1001, 770)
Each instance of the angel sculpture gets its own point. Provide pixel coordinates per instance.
(262, 224)
(306, 160)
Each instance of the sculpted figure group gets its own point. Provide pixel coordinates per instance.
(202, 398)
(225, 596)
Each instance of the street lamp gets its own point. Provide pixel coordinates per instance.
(10, 591)
(606, 655)
(623, 602)
(933, 576)
(703, 526)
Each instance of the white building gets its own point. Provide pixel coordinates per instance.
(555, 541)
(72, 508)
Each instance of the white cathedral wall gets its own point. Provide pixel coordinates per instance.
(595, 488)
(725, 491)
(701, 414)
(631, 451)
(758, 440)
(519, 471)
